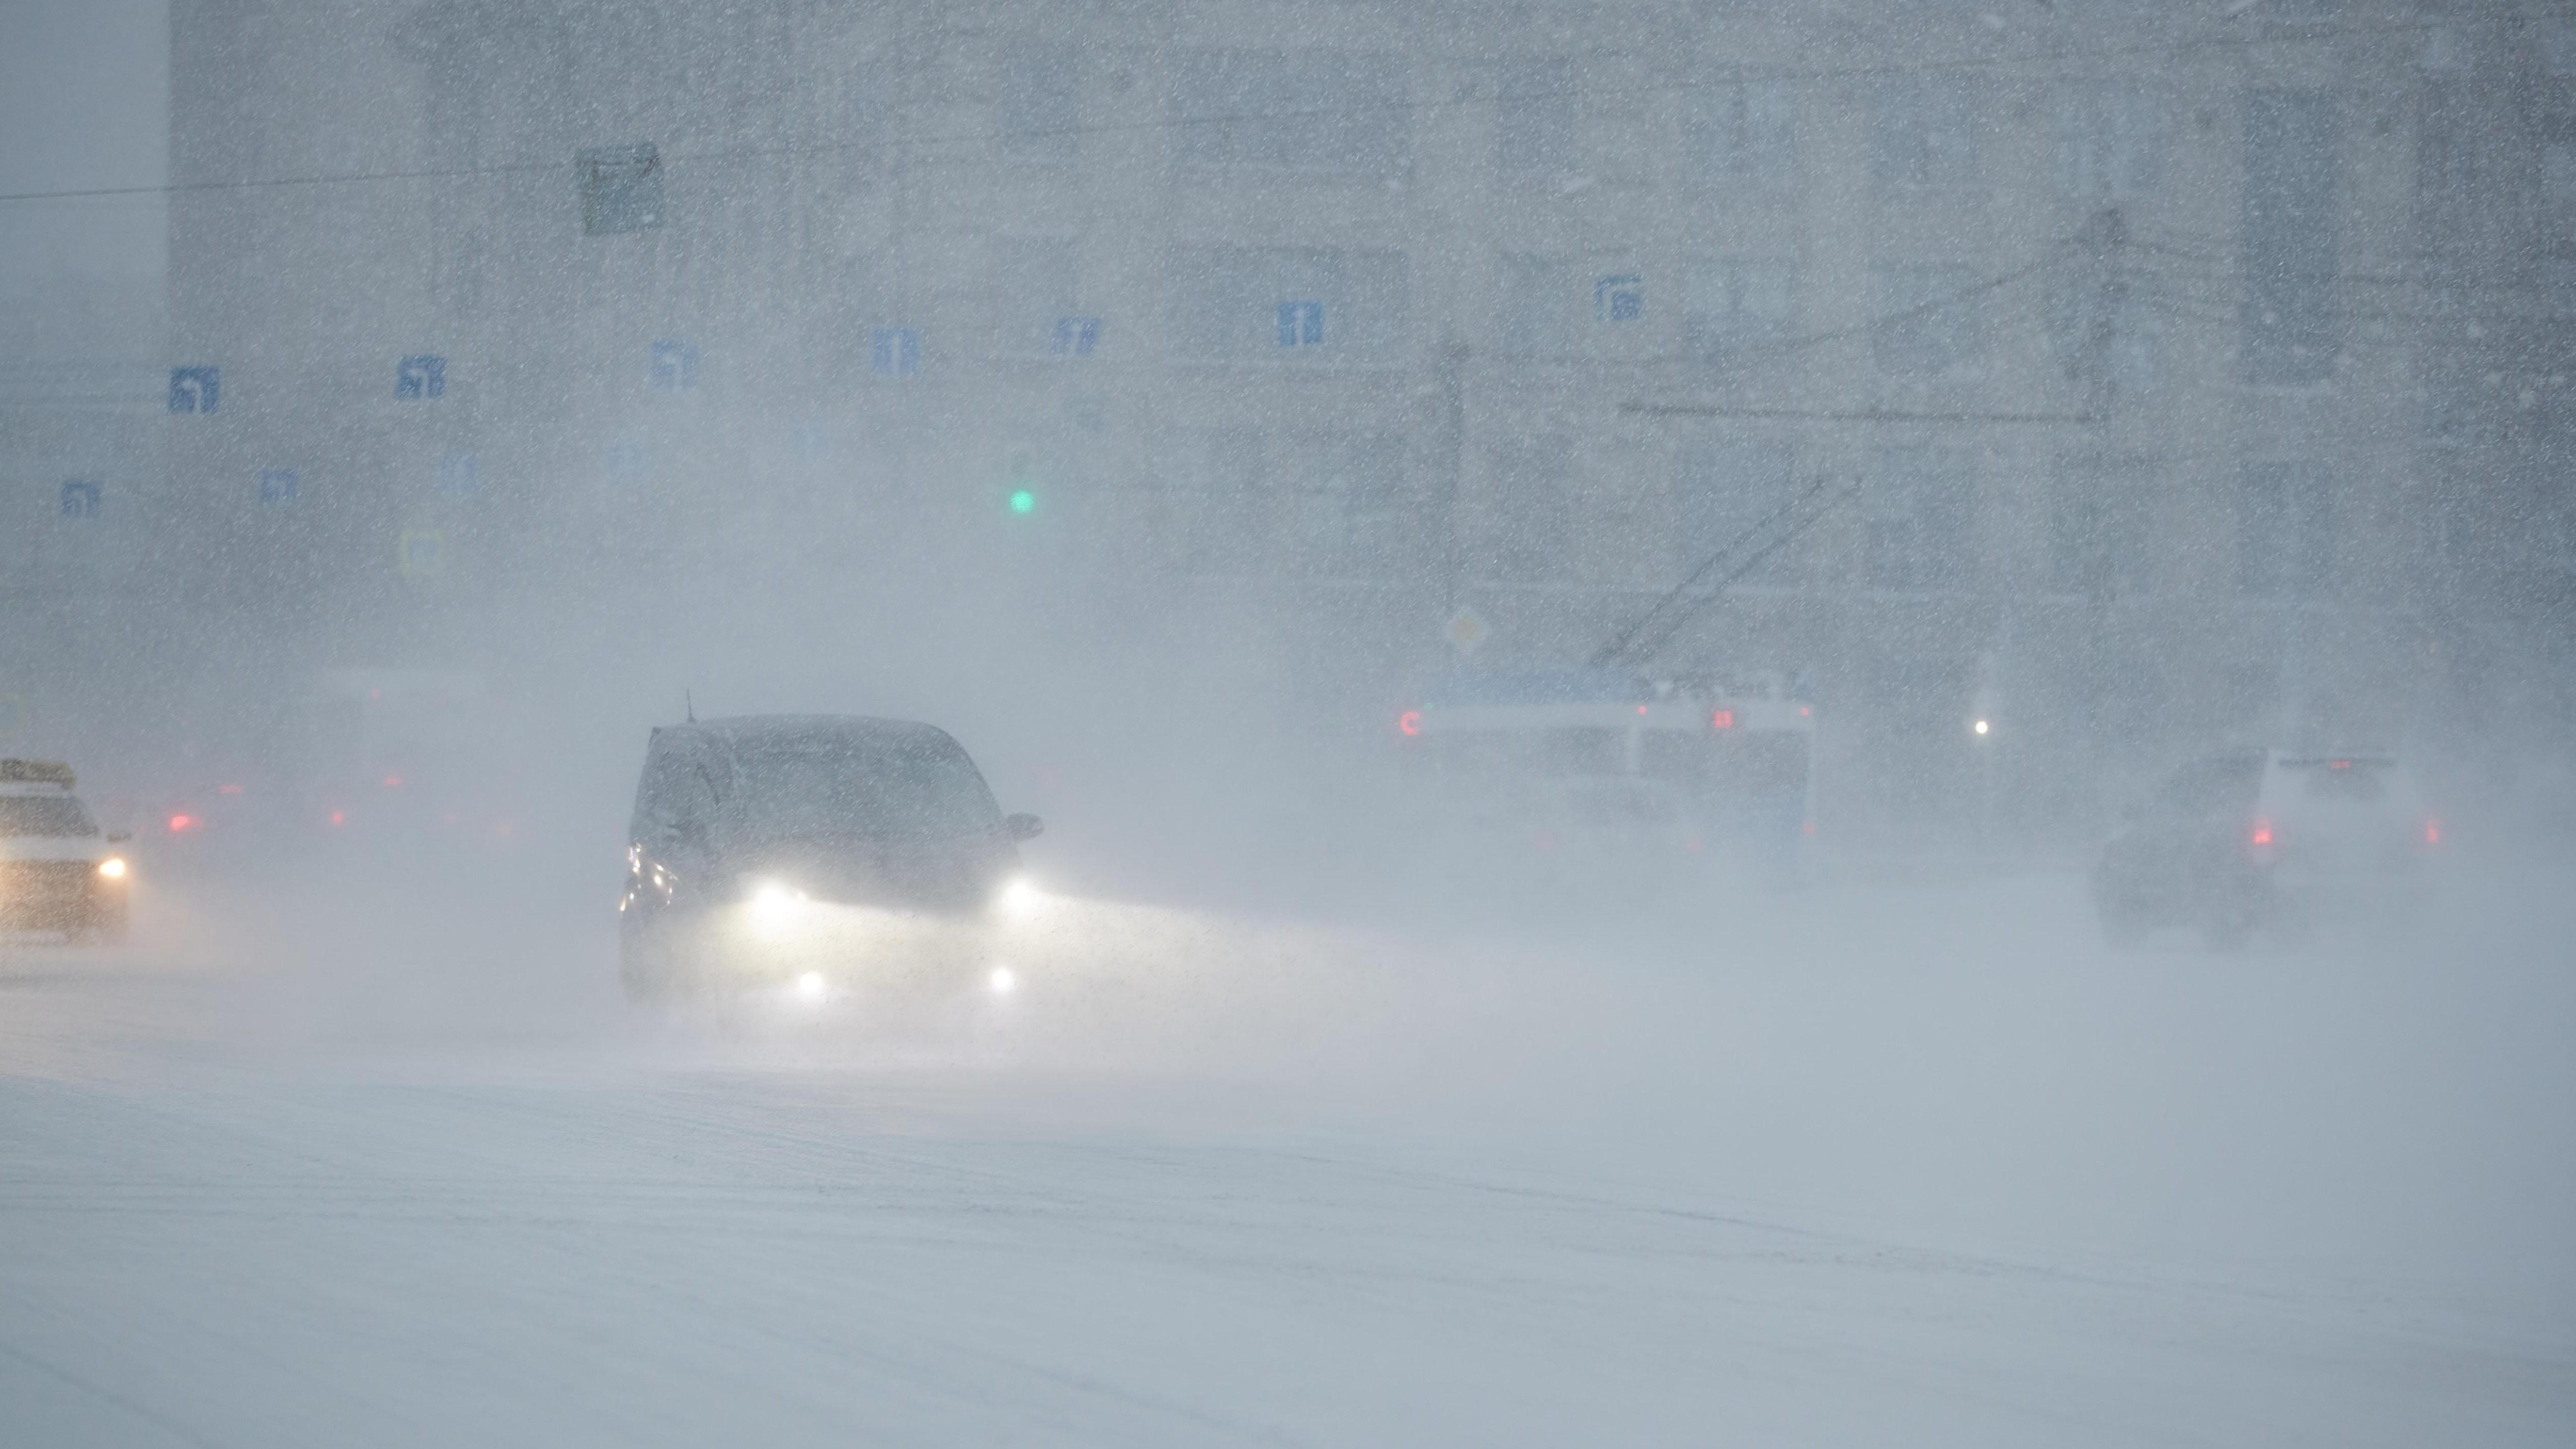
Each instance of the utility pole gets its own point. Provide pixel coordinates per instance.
(2103, 241)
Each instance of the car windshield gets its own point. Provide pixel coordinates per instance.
(44, 815)
(2343, 781)
(802, 789)
(2222, 785)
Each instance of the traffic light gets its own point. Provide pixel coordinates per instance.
(1024, 500)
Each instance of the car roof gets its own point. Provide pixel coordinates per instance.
(806, 729)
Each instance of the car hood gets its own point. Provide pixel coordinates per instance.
(53, 847)
(940, 875)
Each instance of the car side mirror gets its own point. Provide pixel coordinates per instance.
(1023, 827)
(119, 837)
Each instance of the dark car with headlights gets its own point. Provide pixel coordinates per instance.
(830, 851)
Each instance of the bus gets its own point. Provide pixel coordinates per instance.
(1618, 766)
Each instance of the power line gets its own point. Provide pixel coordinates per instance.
(1408, 106)
(1873, 415)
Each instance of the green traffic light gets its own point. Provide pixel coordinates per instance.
(1023, 501)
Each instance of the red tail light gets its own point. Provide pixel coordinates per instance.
(182, 822)
(1409, 723)
(2432, 832)
(1721, 719)
(2262, 832)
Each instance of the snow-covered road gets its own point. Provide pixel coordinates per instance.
(1913, 1168)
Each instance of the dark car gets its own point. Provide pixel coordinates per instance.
(2237, 842)
(823, 852)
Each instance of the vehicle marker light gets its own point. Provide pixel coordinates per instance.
(1722, 719)
(1804, 711)
(1409, 723)
(113, 868)
(2262, 832)
(393, 782)
(2432, 832)
(1641, 709)
(228, 789)
(339, 817)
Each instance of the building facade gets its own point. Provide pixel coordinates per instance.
(2164, 376)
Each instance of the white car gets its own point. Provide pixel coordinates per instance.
(58, 870)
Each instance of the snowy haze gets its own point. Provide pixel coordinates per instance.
(1309, 1117)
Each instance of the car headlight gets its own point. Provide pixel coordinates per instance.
(775, 907)
(113, 867)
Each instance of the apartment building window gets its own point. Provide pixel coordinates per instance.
(1932, 321)
(1036, 287)
(1346, 503)
(1917, 534)
(1216, 491)
(1534, 307)
(2284, 530)
(1528, 513)
(1038, 101)
(2099, 519)
(1325, 111)
(2452, 149)
(2107, 140)
(1312, 305)
(463, 264)
(1743, 135)
(1534, 116)
(2132, 348)
(2557, 207)
(1726, 489)
(2290, 320)
(2557, 46)
(1924, 133)
(1734, 305)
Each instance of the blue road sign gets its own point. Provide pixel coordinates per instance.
(675, 363)
(1619, 299)
(1301, 324)
(80, 498)
(460, 475)
(1076, 336)
(895, 351)
(194, 389)
(420, 377)
(277, 485)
